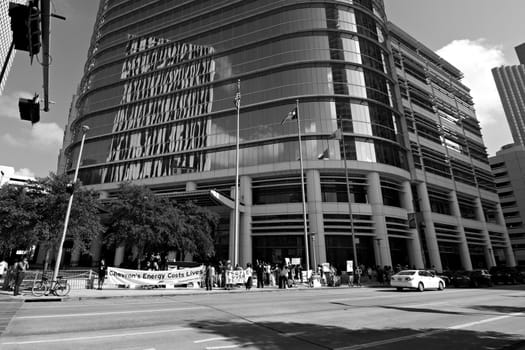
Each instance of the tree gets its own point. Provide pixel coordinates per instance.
(84, 222)
(35, 214)
(17, 219)
(139, 218)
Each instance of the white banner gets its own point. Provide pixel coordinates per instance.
(235, 277)
(142, 277)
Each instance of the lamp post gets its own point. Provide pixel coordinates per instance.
(237, 102)
(85, 129)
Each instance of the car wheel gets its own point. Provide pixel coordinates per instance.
(420, 287)
(399, 289)
(441, 286)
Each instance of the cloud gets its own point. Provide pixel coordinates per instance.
(25, 172)
(476, 58)
(9, 104)
(47, 135)
(41, 137)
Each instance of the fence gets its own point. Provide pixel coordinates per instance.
(78, 279)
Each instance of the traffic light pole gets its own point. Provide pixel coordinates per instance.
(85, 129)
(45, 16)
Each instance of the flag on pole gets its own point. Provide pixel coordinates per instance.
(290, 116)
(324, 155)
(237, 99)
(337, 135)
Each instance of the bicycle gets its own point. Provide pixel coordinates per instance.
(60, 287)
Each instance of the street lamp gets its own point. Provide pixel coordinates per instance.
(85, 129)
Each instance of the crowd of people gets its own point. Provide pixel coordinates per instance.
(14, 274)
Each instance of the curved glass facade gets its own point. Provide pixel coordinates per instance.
(158, 95)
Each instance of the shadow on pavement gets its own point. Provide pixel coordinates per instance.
(416, 309)
(496, 308)
(305, 336)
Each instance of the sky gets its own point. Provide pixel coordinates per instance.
(473, 35)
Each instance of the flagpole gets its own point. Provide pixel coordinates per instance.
(352, 231)
(302, 189)
(236, 224)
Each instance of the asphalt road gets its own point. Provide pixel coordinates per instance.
(340, 318)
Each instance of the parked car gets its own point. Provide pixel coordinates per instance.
(506, 275)
(416, 279)
(444, 276)
(475, 278)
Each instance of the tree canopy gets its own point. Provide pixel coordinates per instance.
(35, 214)
(141, 219)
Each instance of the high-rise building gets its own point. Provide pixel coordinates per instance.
(508, 166)
(158, 95)
(457, 206)
(520, 52)
(510, 81)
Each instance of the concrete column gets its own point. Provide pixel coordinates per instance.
(375, 198)
(191, 186)
(428, 226)
(415, 253)
(464, 253)
(119, 255)
(509, 253)
(245, 225)
(314, 206)
(487, 249)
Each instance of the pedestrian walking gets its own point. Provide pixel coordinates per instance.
(102, 271)
(20, 272)
(357, 276)
(259, 272)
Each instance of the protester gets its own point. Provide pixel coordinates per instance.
(102, 270)
(210, 273)
(248, 276)
(20, 272)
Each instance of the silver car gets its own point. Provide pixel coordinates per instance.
(417, 279)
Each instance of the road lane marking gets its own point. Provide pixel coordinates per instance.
(426, 334)
(210, 339)
(90, 314)
(475, 323)
(117, 335)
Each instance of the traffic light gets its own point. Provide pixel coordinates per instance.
(29, 109)
(34, 31)
(20, 25)
(70, 188)
(25, 24)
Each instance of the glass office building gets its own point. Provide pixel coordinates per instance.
(158, 95)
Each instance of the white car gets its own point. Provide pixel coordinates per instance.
(417, 279)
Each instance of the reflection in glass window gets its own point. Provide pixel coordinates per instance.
(361, 119)
(365, 151)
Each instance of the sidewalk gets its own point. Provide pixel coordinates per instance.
(107, 293)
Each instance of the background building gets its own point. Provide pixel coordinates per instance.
(157, 94)
(510, 81)
(508, 167)
(458, 213)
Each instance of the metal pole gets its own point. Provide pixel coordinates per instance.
(302, 189)
(6, 62)
(85, 129)
(45, 15)
(348, 195)
(236, 225)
